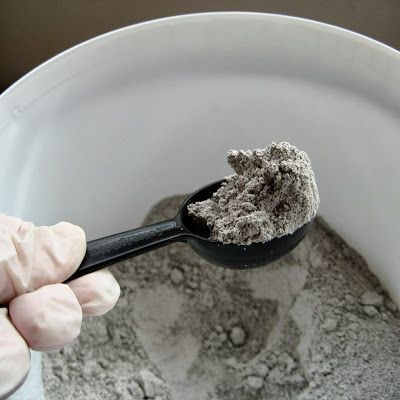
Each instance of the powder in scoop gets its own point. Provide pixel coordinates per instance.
(272, 194)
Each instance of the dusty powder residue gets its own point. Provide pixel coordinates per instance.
(314, 325)
(272, 194)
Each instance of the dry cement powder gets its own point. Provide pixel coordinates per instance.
(272, 194)
(313, 325)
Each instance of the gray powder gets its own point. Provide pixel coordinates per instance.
(314, 325)
(272, 194)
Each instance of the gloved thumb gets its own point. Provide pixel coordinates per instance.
(14, 357)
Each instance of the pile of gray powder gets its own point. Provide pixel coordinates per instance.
(272, 194)
(315, 325)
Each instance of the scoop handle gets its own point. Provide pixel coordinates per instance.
(108, 250)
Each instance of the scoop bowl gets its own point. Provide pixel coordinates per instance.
(108, 250)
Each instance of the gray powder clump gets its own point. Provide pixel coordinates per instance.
(272, 194)
(314, 325)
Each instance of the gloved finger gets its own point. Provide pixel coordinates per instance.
(16, 256)
(14, 357)
(97, 292)
(48, 318)
(59, 250)
(32, 257)
(15, 225)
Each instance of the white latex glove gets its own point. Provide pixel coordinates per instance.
(37, 310)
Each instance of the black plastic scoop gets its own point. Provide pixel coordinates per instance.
(105, 251)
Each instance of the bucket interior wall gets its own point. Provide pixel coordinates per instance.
(100, 133)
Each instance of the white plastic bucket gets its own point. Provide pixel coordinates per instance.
(101, 132)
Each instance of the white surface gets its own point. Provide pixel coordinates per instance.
(33, 386)
(101, 132)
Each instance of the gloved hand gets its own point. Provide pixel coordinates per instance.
(38, 311)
